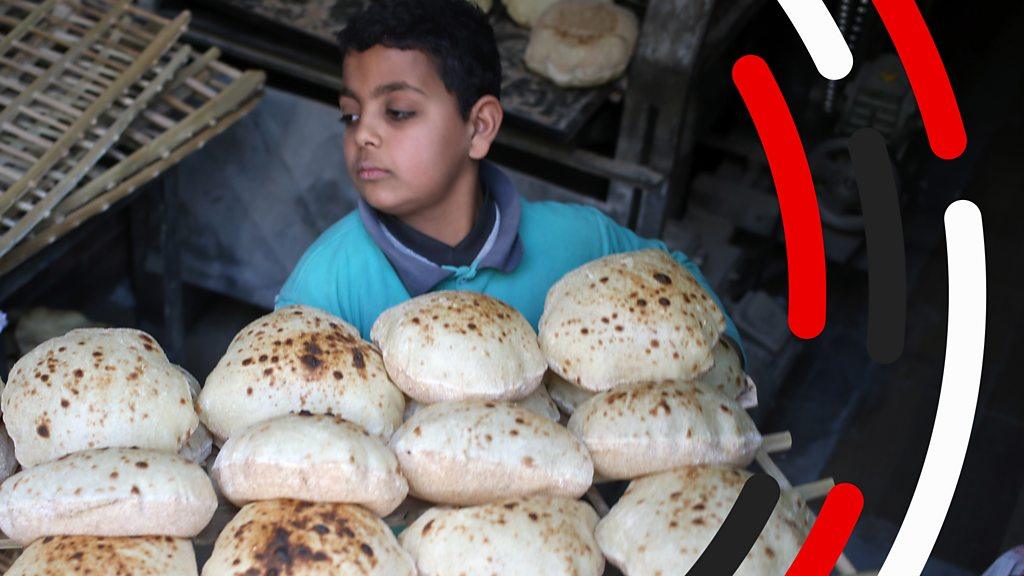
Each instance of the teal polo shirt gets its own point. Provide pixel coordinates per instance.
(356, 269)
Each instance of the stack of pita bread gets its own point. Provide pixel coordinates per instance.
(634, 345)
(638, 362)
(484, 435)
(97, 418)
(579, 43)
(302, 409)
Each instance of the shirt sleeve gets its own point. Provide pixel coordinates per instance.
(616, 239)
(312, 283)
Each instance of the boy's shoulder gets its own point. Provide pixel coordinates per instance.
(551, 211)
(344, 232)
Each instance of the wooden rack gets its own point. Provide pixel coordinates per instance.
(70, 85)
(97, 99)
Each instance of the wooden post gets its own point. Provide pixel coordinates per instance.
(655, 106)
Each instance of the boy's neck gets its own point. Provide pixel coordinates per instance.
(451, 220)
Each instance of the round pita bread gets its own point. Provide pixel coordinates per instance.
(456, 345)
(565, 395)
(538, 402)
(526, 12)
(37, 325)
(471, 452)
(539, 535)
(293, 538)
(108, 492)
(727, 376)
(80, 555)
(663, 523)
(625, 318)
(645, 428)
(582, 43)
(294, 359)
(8, 463)
(313, 458)
(96, 388)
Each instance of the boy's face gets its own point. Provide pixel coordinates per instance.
(405, 141)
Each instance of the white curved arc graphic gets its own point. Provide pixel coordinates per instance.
(961, 378)
(821, 36)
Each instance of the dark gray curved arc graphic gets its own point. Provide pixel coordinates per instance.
(741, 528)
(883, 228)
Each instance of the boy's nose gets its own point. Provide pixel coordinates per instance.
(366, 135)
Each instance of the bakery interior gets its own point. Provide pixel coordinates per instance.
(192, 242)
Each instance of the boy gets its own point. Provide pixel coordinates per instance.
(420, 104)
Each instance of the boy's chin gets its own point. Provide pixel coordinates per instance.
(385, 203)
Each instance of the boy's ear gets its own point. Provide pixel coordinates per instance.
(484, 123)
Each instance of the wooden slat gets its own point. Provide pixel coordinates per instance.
(145, 61)
(30, 246)
(166, 142)
(37, 14)
(63, 188)
(58, 67)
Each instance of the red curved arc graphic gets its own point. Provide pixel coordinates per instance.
(927, 76)
(801, 222)
(839, 514)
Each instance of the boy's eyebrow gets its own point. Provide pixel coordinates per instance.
(383, 89)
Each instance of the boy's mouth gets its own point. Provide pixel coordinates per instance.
(369, 172)
(375, 174)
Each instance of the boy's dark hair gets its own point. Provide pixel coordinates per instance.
(455, 34)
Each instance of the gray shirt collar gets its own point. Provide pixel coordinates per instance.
(503, 250)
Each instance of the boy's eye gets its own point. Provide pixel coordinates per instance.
(400, 114)
(347, 119)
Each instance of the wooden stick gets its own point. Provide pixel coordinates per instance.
(843, 565)
(175, 103)
(37, 13)
(815, 490)
(200, 88)
(156, 18)
(597, 500)
(207, 59)
(769, 467)
(48, 120)
(28, 137)
(748, 399)
(777, 442)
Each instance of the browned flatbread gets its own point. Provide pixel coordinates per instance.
(645, 428)
(540, 535)
(293, 538)
(96, 388)
(82, 555)
(582, 43)
(475, 451)
(663, 523)
(626, 318)
(294, 359)
(459, 345)
(108, 492)
(310, 457)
